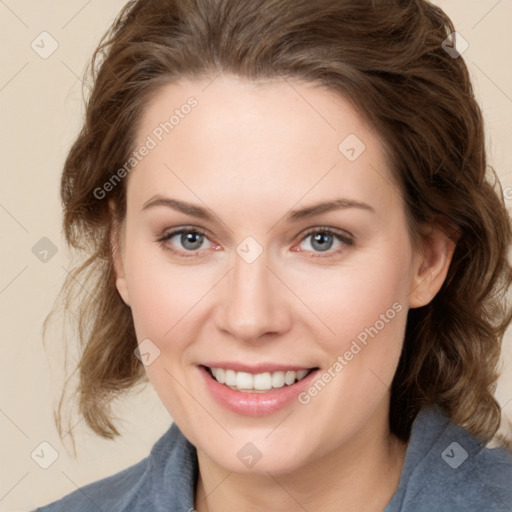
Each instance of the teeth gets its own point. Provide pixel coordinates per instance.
(259, 381)
(301, 374)
(244, 381)
(230, 378)
(289, 378)
(278, 379)
(262, 381)
(221, 375)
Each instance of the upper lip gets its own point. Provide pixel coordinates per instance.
(257, 368)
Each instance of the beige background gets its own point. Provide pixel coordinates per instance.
(41, 107)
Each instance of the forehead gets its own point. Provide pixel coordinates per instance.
(278, 140)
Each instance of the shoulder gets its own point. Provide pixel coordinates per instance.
(490, 478)
(110, 493)
(446, 468)
(135, 487)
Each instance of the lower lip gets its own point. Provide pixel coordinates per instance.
(255, 404)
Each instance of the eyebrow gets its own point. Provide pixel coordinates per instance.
(293, 215)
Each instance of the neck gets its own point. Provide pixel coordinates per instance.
(362, 476)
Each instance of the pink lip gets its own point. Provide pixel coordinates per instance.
(258, 368)
(254, 404)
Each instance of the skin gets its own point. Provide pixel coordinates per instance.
(250, 153)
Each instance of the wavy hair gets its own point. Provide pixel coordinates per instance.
(385, 56)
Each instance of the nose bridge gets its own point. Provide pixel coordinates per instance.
(253, 306)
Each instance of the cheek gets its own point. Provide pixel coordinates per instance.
(368, 292)
(161, 293)
(164, 302)
(376, 313)
(366, 309)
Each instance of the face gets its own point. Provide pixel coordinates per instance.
(265, 246)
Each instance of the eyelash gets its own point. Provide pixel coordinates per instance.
(347, 240)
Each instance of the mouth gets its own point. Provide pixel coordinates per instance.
(263, 382)
(256, 390)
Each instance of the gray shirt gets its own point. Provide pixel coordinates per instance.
(445, 470)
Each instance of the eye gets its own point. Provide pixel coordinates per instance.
(323, 239)
(191, 240)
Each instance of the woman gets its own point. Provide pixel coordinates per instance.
(329, 339)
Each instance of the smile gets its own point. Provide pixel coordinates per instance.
(255, 390)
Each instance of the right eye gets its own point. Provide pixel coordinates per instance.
(190, 239)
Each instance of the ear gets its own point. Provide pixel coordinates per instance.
(116, 245)
(431, 264)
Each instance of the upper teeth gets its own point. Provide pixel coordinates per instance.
(259, 381)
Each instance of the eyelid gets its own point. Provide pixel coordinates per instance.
(169, 233)
(343, 234)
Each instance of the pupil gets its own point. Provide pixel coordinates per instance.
(321, 237)
(193, 239)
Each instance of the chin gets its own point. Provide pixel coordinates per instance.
(261, 464)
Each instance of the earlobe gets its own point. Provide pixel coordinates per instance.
(431, 268)
(122, 289)
(117, 259)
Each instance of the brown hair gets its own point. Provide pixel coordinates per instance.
(387, 58)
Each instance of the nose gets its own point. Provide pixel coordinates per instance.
(254, 303)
